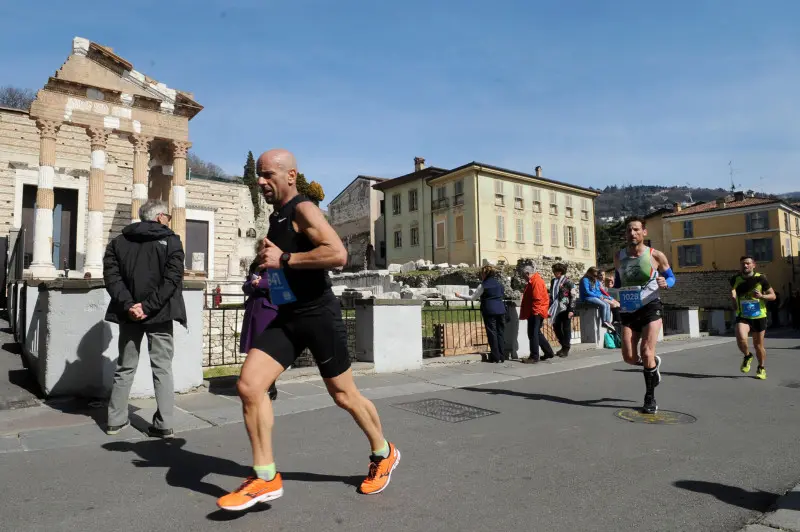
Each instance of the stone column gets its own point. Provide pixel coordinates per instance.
(42, 264)
(179, 149)
(97, 175)
(141, 169)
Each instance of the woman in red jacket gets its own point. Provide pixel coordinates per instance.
(534, 308)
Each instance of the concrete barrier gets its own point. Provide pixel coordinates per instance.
(389, 333)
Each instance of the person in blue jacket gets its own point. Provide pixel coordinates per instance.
(493, 309)
(592, 293)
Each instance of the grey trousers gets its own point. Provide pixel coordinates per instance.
(160, 346)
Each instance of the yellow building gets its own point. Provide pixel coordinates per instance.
(714, 235)
(479, 212)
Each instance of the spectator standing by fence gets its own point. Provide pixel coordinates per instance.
(258, 310)
(533, 308)
(562, 307)
(493, 310)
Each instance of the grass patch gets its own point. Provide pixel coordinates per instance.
(432, 316)
(221, 371)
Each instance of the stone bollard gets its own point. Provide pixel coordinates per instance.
(717, 322)
(389, 333)
(689, 322)
(592, 331)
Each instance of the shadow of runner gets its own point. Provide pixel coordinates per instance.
(689, 375)
(594, 403)
(187, 469)
(758, 501)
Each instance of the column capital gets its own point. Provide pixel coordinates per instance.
(99, 137)
(180, 147)
(141, 143)
(48, 129)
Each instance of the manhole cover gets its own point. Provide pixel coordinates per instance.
(445, 410)
(662, 417)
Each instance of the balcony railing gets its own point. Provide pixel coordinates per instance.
(440, 203)
(458, 199)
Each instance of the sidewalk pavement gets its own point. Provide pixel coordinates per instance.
(63, 423)
(785, 515)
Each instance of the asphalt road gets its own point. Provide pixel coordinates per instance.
(554, 458)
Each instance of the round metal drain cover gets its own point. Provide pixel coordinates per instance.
(662, 417)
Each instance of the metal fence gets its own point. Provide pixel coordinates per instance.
(670, 320)
(222, 327)
(455, 327)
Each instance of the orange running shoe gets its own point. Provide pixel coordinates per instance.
(380, 472)
(252, 491)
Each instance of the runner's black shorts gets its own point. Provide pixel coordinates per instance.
(636, 321)
(756, 324)
(319, 327)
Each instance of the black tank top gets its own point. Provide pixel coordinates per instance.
(310, 287)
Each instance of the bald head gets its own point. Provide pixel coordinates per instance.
(277, 174)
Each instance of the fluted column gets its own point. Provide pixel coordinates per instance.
(179, 149)
(141, 168)
(97, 175)
(42, 264)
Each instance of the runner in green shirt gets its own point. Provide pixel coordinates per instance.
(751, 291)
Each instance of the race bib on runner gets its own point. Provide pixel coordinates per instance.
(630, 299)
(751, 308)
(279, 291)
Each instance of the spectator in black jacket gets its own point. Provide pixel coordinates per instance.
(143, 272)
(562, 307)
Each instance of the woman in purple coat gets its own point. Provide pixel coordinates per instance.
(258, 312)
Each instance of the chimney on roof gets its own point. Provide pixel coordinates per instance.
(676, 207)
(738, 196)
(721, 203)
(419, 163)
(538, 171)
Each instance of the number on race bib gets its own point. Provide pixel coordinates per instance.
(751, 308)
(280, 292)
(630, 299)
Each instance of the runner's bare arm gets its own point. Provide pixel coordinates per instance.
(768, 294)
(329, 251)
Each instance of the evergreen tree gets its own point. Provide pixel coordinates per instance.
(251, 180)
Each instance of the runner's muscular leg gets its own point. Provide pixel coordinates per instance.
(630, 345)
(259, 371)
(742, 331)
(648, 346)
(346, 395)
(758, 344)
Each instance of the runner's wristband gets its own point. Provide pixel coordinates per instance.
(669, 277)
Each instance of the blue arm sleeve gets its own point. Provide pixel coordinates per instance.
(617, 279)
(669, 277)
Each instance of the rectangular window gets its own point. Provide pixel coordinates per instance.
(584, 209)
(567, 200)
(412, 200)
(553, 203)
(757, 221)
(759, 248)
(568, 212)
(440, 235)
(520, 230)
(797, 226)
(569, 236)
(519, 202)
(537, 200)
(458, 188)
(501, 228)
(415, 236)
(537, 232)
(786, 223)
(396, 204)
(398, 239)
(459, 228)
(787, 247)
(689, 256)
(499, 198)
(553, 235)
(688, 229)
(585, 238)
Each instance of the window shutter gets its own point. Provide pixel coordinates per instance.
(681, 256)
(748, 224)
(566, 236)
(769, 249)
(699, 252)
(748, 244)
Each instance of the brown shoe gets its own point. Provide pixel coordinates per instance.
(530, 360)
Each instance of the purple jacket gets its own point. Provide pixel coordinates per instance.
(258, 312)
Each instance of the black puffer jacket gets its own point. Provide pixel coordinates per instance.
(145, 265)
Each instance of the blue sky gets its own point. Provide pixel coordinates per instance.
(596, 92)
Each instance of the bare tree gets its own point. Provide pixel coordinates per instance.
(204, 168)
(16, 98)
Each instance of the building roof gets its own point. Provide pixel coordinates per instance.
(366, 177)
(657, 212)
(712, 206)
(521, 174)
(426, 173)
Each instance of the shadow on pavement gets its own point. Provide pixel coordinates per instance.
(187, 469)
(758, 501)
(797, 347)
(689, 375)
(24, 379)
(594, 403)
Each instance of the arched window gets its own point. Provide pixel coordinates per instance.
(251, 233)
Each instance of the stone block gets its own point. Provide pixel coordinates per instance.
(390, 295)
(442, 266)
(395, 268)
(409, 266)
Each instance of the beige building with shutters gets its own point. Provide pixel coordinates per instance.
(478, 212)
(100, 139)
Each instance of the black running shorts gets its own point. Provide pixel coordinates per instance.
(756, 324)
(320, 328)
(636, 321)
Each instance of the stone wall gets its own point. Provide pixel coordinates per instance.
(708, 290)
(350, 217)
